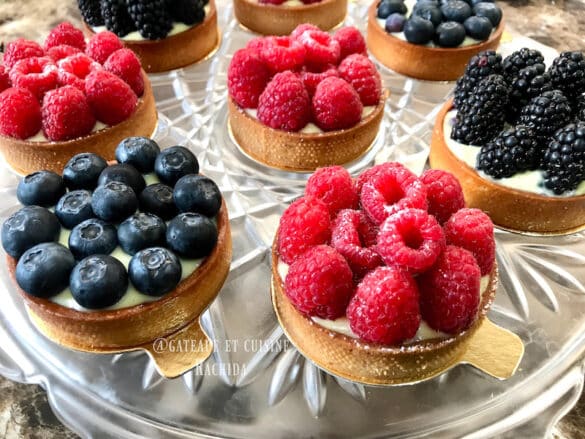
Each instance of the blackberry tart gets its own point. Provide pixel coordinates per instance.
(109, 258)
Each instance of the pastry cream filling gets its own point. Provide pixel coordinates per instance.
(40, 136)
(341, 325)
(528, 181)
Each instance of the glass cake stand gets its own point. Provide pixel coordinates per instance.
(256, 384)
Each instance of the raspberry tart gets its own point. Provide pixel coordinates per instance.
(68, 97)
(306, 100)
(165, 35)
(514, 136)
(280, 17)
(432, 40)
(384, 279)
(109, 258)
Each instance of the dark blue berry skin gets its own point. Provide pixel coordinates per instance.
(74, 207)
(43, 270)
(417, 30)
(155, 271)
(191, 235)
(434, 3)
(140, 231)
(158, 199)
(489, 11)
(456, 10)
(475, 2)
(42, 188)
(479, 28)
(28, 227)
(175, 162)
(449, 34)
(139, 152)
(92, 237)
(83, 171)
(114, 202)
(123, 173)
(388, 7)
(196, 193)
(428, 12)
(98, 281)
(394, 23)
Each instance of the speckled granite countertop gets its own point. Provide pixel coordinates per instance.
(24, 410)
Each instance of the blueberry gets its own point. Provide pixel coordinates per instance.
(191, 235)
(123, 173)
(489, 11)
(417, 30)
(158, 199)
(434, 3)
(42, 188)
(98, 281)
(388, 7)
(479, 28)
(196, 193)
(175, 162)
(74, 207)
(114, 201)
(91, 237)
(28, 227)
(456, 10)
(139, 152)
(428, 12)
(450, 34)
(475, 2)
(155, 271)
(140, 231)
(83, 171)
(394, 23)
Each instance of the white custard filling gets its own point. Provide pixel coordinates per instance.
(40, 136)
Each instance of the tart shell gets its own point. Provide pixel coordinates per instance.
(508, 208)
(268, 19)
(25, 156)
(421, 62)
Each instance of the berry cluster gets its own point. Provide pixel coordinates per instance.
(104, 207)
(524, 116)
(65, 87)
(386, 250)
(445, 23)
(309, 76)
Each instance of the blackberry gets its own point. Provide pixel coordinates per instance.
(91, 12)
(512, 151)
(567, 74)
(481, 116)
(481, 65)
(189, 12)
(528, 83)
(564, 159)
(580, 107)
(150, 17)
(545, 114)
(519, 60)
(116, 17)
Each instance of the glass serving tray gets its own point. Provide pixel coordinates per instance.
(256, 384)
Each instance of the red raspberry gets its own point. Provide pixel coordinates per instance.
(312, 79)
(248, 75)
(20, 113)
(63, 51)
(37, 74)
(102, 45)
(336, 105)
(473, 230)
(350, 41)
(351, 236)
(66, 114)
(370, 173)
(74, 69)
(111, 99)
(285, 103)
(320, 48)
(256, 44)
(320, 283)
(282, 53)
(301, 28)
(361, 73)
(65, 33)
(334, 187)
(390, 189)
(450, 291)
(126, 65)
(444, 194)
(385, 307)
(21, 49)
(4, 78)
(304, 224)
(411, 239)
